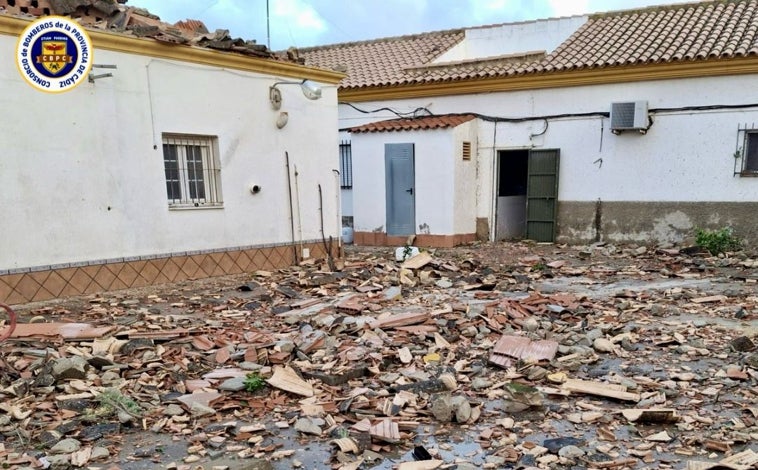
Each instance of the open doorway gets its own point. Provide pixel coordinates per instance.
(513, 170)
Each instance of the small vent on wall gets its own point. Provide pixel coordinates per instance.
(466, 151)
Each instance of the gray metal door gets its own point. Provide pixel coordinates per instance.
(542, 195)
(400, 189)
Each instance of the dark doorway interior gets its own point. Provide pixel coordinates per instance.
(513, 166)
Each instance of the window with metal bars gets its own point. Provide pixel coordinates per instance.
(193, 174)
(750, 163)
(346, 165)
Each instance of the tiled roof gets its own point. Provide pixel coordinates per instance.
(415, 124)
(381, 61)
(695, 31)
(716, 29)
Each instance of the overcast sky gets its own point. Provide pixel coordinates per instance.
(303, 23)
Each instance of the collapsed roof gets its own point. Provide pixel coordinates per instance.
(116, 16)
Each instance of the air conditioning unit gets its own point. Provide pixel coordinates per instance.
(629, 116)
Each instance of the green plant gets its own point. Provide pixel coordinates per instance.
(112, 401)
(254, 382)
(717, 241)
(407, 250)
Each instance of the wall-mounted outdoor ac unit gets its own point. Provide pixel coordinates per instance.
(629, 116)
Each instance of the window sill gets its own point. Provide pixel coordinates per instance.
(192, 207)
(748, 174)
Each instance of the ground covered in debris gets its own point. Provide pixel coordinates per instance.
(508, 355)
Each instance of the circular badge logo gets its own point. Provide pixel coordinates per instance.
(54, 54)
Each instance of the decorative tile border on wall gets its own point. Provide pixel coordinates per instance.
(49, 282)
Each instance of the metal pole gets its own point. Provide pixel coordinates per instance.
(292, 217)
(268, 28)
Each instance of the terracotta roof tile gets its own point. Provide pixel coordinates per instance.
(715, 29)
(382, 61)
(194, 26)
(414, 124)
(697, 31)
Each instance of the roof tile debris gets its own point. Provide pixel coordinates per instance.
(673, 33)
(415, 124)
(639, 358)
(115, 16)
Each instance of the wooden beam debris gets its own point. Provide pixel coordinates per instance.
(600, 389)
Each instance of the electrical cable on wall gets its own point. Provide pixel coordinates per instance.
(411, 114)
(547, 117)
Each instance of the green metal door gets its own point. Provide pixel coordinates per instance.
(542, 194)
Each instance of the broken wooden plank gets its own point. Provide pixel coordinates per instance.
(709, 299)
(600, 389)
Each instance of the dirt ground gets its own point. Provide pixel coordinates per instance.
(504, 355)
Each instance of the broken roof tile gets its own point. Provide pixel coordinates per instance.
(114, 16)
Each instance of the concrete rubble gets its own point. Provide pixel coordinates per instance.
(528, 356)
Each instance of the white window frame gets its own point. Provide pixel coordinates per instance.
(193, 172)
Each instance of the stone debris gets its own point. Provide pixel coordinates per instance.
(535, 356)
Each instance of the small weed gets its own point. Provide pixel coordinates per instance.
(717, 241)
(539, 267)
(112, 401)
(254, 382)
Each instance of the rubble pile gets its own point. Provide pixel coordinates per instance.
(492, 356)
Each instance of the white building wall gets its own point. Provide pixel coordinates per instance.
(434, 176)
(82, 172)
(368, 183)
(465, 188)
(514, 38)
(686, 156)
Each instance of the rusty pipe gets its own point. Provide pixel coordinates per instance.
(11, 325)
